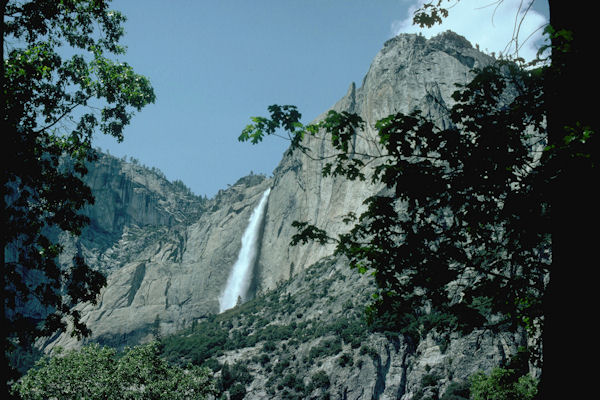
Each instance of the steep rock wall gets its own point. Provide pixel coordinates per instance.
(409, 73)
(166, 253)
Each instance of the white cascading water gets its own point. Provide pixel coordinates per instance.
(240, 277)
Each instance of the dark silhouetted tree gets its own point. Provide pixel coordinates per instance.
(61, 82)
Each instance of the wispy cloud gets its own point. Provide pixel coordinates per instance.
(491, 24)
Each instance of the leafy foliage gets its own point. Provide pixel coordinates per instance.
(234, 379)
(457, 391)
(563, 182)
(430, 13)
(61, 82)
(211, 338)
(549, 196)
(464, 233)
(319, 379)
(96, 372)
(503, 384)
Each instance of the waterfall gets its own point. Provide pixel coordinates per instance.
(241, 273)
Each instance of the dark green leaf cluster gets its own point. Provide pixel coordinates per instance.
(467, 220)
(285, 117)
(325, 348)
(319, 379)
(308, 233)
(339, 128)
(457, 391)
(461, 236)
(208, 340)
(430, 13)
(234, 379)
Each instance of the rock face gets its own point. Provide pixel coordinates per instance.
(307, 339)
(409, 73)
(168, 253)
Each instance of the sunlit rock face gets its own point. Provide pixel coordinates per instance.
(166, 266)
(409, 73)
(168, 253)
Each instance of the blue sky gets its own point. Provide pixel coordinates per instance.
(213, 64)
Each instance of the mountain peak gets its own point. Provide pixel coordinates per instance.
(452, 39)
(447, 38)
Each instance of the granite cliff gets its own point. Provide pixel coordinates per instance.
(409, 73)
(168, 254)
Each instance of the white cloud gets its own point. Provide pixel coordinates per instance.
(488, 23)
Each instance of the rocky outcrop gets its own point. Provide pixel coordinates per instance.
(128, 198)
(409, 73)
(307, 339)
(166, 252)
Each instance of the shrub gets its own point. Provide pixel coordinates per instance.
(430, 380)
(293, 382)
(325, 348)
(345, 359)
(213, 364)
(237, 373)
(237, 392)
(457, 391)
(240, 373)
(268, 347)
(503, 384)
(281, 366)
(264, 359)
(95, 372)
(367, 350)
(319, 380)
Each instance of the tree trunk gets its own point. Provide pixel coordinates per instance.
(570, 299)
(3, 216)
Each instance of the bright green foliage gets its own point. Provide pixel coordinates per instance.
(96, 372)
(61, 82)
(503, 384)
